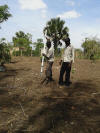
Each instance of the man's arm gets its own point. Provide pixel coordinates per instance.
(60, 62)
(62, 56)
(72, 57)
(45, 56)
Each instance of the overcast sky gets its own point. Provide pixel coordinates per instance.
(81, 16)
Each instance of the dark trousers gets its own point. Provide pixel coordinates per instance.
(65, 69)
(49, 70)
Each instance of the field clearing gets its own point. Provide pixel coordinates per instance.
(26, 105)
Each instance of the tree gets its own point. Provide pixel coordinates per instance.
(78, 53)
(4, 13)
(38, 45)
(55, 29)
(22, 41)
(4, 52)
(91, 47)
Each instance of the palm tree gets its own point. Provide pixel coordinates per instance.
(55, 29)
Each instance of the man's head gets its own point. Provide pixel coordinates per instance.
(48, 43)
(67, 41)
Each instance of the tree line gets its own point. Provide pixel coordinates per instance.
(22, 44)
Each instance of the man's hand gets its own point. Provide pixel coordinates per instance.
(43, 54)
(70, 64)
(60, 62)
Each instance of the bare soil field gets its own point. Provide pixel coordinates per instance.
(26, 105)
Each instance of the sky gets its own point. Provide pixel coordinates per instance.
(82, 17)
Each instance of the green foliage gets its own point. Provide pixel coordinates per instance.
(79, 53)
(91, 48)
(73, 70)
(16, 53)
(44, 59)
(4, 48)
(58, 52)
(4, 52)
(22, 41)
(27, 52)
(38, 45)
(55, 29)
(4, 13)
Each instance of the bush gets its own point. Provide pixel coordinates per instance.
(16, 53)
(5, 56)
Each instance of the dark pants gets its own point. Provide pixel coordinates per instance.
(49, 70)
(65, 69)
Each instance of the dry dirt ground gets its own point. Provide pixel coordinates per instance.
(26, 105)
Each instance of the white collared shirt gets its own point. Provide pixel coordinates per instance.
(68, 54)
(50, 53)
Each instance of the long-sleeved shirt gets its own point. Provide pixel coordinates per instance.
(68, 54)
(50, 54)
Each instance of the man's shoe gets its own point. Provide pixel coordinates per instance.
(61, 84)
(67, 82)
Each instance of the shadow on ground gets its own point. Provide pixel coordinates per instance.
(76, 113)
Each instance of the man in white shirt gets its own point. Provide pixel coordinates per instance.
(66, 61)
(50, 59)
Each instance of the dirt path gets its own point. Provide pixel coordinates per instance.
(26, 105)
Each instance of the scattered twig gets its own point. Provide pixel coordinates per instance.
(22, 109)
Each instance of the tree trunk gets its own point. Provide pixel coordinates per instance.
(21, 52)
(31, 53)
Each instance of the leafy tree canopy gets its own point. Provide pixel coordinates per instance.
(56, 30)
(91, 47)
(4, 52)
(38, 45)
(4, 13)
(22, 40)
